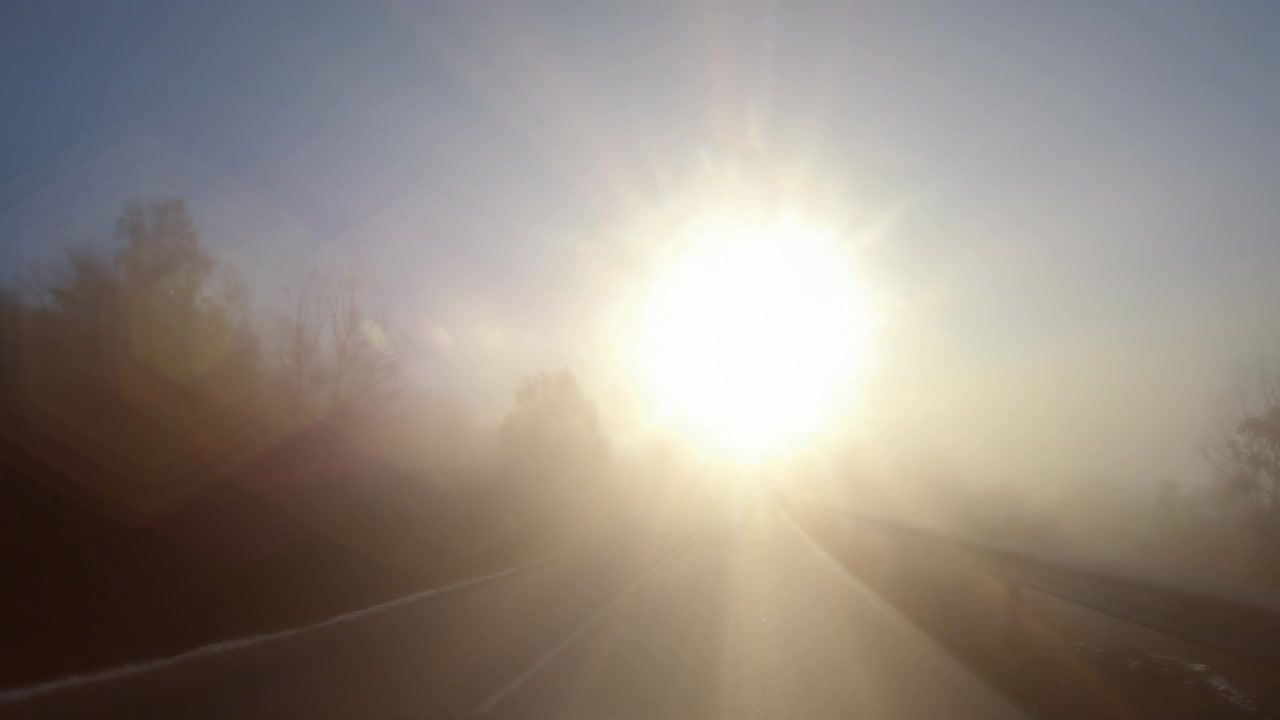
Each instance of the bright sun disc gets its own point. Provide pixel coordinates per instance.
(750, 335)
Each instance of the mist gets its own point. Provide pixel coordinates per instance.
(308, 313)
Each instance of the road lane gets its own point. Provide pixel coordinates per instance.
(434, 658)
(753, 622)
(746, 620)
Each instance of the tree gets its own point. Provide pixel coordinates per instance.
(149, 304)
(174, 324)
(364, 358)
(162, 251)
(334, 352)
(552, 436)
(78, 333)
(135, 363)
(1246, 461)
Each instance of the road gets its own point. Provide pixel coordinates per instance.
(739, 617)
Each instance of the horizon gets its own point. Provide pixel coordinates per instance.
(498, 175)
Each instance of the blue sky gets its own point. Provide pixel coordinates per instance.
(1088, 185)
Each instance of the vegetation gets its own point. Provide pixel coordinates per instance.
(180, 466)
(1246, 468)
(552, 436)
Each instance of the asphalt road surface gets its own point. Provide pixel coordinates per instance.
(743, 617)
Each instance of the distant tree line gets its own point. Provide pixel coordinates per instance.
(149, 361)
(151, 358)
(178, 466)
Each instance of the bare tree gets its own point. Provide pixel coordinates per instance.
(364, 357)
(300, 331)
(333, 349)
(36, 287)
(1246, 460)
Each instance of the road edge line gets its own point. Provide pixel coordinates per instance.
(15, 695)
(941, 657)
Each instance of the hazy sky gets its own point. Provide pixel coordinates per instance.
(1067, 213)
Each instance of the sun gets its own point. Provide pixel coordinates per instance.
(751, 334)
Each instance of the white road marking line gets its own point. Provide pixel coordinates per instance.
(19, 694)
(939, 657)
(501, 694)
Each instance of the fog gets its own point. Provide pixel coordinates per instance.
(303, 310)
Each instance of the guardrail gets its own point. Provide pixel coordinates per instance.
(1245, 630)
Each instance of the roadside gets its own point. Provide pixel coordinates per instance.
(433, 654)
(1057, 659)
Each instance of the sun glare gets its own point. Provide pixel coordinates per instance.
(751, 334)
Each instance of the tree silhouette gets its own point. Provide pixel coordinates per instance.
(162, 250)
(173, 325)
(333, 351)
(552, 436)
(1246, 462)
(134, 363)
